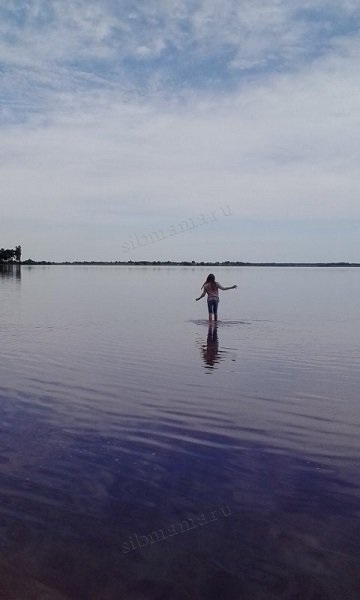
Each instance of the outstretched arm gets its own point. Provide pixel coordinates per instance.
(232, 287)
(202, 295)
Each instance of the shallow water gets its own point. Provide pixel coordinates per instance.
(144, 456)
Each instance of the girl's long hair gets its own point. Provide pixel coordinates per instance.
(210, 279)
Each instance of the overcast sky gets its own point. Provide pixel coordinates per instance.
(180, 129)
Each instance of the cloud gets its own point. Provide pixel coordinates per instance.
(85, 45)
(120, 119)
(280, 129)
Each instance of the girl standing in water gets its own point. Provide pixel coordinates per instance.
(211, 288)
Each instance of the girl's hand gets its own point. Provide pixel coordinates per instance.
(234, 286)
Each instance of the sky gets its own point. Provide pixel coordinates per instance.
(180, 129)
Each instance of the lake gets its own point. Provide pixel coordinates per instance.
(145, 456)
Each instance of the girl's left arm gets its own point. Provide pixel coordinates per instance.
(232, 287)
(202, 295)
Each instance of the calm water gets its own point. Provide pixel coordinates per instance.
(145, 457)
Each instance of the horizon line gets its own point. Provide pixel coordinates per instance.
(186, 263)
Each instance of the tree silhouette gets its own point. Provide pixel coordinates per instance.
(8, 254)
(18, 253)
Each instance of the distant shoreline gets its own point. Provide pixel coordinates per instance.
(157, 263)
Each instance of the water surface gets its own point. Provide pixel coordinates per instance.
(122, 415)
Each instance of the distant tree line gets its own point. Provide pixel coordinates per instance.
(193, 263)
(9, 255)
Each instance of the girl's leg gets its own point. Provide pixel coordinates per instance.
(215, 310)
(210, 309)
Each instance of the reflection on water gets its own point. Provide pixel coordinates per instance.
(211, 350)
(112, 433)
(10, 271)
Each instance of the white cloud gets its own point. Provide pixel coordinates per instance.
(58, 43)
(93, 153)
(288, 126)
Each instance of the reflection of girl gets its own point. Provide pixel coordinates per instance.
(211, 288)
(211, 350)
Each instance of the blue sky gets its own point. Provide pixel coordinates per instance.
(119, 119)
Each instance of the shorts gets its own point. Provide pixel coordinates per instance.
(213, 306)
